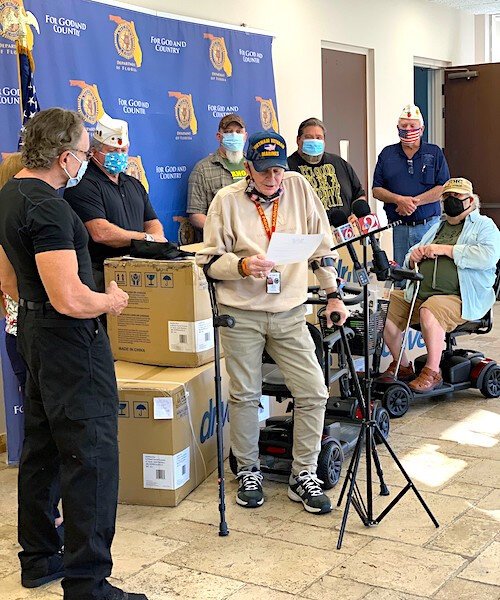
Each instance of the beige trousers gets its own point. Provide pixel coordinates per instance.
(286, 338)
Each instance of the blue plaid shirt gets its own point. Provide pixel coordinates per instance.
(476, 254)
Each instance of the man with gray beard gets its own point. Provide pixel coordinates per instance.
(223, 167)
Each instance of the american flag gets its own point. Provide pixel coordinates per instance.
(29, 100)
(410, 135)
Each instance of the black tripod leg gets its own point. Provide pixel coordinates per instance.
(410, 485)
(384, 490)
(349, 470)
(355, 464)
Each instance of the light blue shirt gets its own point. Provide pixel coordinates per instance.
(476, 254)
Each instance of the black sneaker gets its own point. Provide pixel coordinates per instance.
(52, 569)
(250, 492)
(118, 594)
(306, 488)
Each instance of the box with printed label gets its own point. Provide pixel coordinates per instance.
(168, 320)
(167, 431)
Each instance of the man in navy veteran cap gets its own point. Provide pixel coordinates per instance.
(266, 300)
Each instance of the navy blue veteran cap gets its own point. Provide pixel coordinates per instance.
(266, 149)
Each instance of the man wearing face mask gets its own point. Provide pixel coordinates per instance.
(408, 179)
(71, 401)
(457, 258)
(223, 167)
(266, 301)
(332, 178)
(114, 206)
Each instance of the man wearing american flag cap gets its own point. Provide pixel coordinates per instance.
(408, 179)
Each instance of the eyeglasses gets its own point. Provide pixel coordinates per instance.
(88, 153)
(409, 162)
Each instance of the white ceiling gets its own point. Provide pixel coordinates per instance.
(477, 7)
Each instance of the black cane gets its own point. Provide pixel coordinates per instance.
(219, 321)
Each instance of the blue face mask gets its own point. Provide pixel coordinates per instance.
(72, 181)
(115, 162)
(234, 142)
(313, 147)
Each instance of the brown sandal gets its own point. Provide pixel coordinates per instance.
(404, 373)
(426, 381)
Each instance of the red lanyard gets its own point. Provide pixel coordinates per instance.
(274, 218)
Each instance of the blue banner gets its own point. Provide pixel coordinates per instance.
(172, 81)
(14, 404)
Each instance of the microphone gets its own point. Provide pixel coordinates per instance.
(338, 219)
(343, 231)
(368, 223)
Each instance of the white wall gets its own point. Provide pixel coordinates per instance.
(396, 31)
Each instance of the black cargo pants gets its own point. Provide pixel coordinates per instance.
(70, 426)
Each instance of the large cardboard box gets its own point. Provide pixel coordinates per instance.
(168, 320)
(166, 431)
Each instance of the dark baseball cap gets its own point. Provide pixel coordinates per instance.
(267, 149)
(231, 118)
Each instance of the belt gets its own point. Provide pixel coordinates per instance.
(35, 305)
(422, 222)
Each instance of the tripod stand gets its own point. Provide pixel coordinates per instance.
(369, 427)
(219, 321)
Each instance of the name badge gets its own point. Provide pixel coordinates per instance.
(273, 283)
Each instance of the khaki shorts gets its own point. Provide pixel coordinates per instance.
(446, 309)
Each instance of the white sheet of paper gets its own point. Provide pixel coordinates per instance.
(288, 248)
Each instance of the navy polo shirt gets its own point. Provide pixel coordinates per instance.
(125, 204)
(395, 173)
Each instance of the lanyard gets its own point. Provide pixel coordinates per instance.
(274, 218)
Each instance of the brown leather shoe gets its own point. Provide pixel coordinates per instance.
(404, 373)
(426, 381)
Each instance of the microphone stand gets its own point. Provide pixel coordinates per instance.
(366, 437)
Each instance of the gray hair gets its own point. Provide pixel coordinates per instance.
(50, 133)
(476, 200)
(96, 145)
(311, 122)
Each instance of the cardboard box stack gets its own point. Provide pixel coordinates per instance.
(166, 431)
(168, 320)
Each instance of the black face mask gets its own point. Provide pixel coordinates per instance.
(453, 207)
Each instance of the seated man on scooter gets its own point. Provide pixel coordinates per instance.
(457, 258)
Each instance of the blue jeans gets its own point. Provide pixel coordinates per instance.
(406, 236)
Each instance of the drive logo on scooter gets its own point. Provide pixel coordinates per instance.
(209, 420)
(415, 340)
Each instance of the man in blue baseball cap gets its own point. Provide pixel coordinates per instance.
(266, 300)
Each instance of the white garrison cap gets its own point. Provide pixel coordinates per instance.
(112, 132)
(412, 111)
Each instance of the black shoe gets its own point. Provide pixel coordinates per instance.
(250, 492)
(306, 488)
(118, 594)
(53, 569)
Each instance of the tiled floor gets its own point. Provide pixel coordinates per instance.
(451, 449)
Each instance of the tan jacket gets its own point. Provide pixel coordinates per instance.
(234, 229)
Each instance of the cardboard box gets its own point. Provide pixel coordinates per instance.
(166, 431)
(168, 320)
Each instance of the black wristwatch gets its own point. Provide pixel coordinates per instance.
(240, 267)
(334, 295)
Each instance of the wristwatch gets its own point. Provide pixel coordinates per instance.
(334, 295)
(148, 237)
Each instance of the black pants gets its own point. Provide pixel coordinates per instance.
(70, 426)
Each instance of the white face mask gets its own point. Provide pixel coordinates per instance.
(72, 181)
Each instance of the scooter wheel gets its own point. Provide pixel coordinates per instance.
(330, 461)
(233, 465)
(396, 400)
(384, 423)
(491, 383)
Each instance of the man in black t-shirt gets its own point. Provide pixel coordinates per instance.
(114, 206)
(71, 402)
(332, 178)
